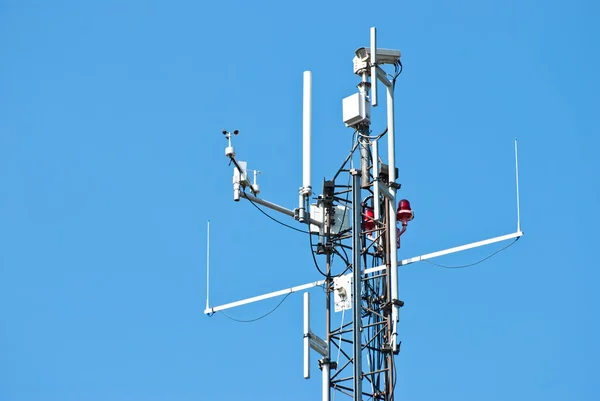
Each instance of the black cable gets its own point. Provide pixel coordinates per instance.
(476, 263)
(348, 265)
(345, 254)
(345, 259)
(398, 69)
(374, 137)
(312, 252)
(346, 200)
(258, 318)
(273, 218)
(352, 149)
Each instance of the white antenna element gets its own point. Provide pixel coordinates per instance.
(311, 340)
(306, 337)
(306, 189)
(306, 133)
(374, 66)
(207, 262)
(517, 181)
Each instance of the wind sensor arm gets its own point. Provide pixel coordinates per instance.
(241, 181)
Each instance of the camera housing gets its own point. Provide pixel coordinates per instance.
(362, 60)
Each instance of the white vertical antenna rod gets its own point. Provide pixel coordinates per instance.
(517, 180)
(306, 131)
(392, 215)
(306, 335)
(325, 391)
(374, 66)
(207, 262)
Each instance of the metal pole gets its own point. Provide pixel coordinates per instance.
(389, 385)
(275, 207)
(306, 335)
(376, 206)
(363, 143)
(326, 366)
(364, 158)
(357, 296)
(392, 216)
(327, 360)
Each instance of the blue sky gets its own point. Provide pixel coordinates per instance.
(111, 162)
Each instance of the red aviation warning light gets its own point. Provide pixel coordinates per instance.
(369, 219)
(404, 212)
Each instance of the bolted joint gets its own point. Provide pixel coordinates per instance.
(386, 348)
(387, 307)
(355, 172)
(323, 362)
(398, 302)
(364, 85)
(305, 191)
(326, 249)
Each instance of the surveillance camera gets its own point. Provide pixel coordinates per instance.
(361, 53)
(383, 56)
(236, 132)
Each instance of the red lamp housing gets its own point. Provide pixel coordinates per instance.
(368, 219)
(404, 212)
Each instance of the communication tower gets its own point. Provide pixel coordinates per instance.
(355, 224)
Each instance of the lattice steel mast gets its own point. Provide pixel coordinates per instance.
(355, 212)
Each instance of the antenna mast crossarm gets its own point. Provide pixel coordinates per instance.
(210, 311)
(375, 269)
(448, 251)
(456, 249)
(276, 207)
